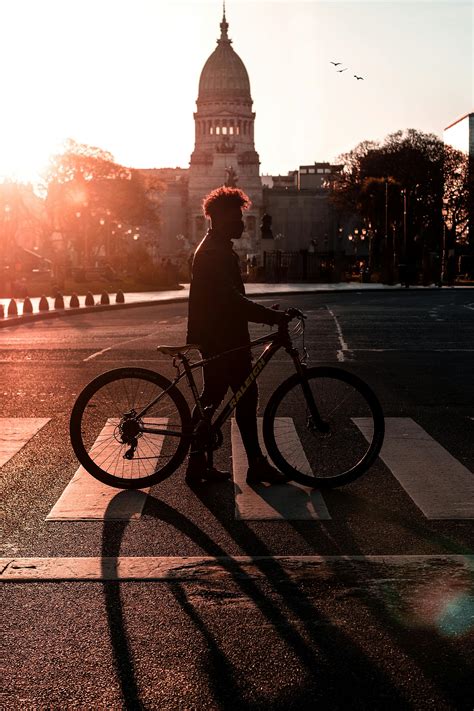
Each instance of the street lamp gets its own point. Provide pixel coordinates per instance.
(444, 258)
(403, 192)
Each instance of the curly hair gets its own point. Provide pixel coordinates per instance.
(217, 202)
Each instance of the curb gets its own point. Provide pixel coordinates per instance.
(56, 313)
(45, 315)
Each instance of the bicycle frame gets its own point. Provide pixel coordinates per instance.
(275, 341)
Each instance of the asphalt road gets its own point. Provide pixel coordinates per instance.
(342, 636)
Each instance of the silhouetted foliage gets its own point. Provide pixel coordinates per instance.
(419, 170)
(88, 192)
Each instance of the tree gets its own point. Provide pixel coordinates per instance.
(458, 187)
(22, 222)
(399, 187)
(89, 195)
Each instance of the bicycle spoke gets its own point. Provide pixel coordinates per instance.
(330, 453)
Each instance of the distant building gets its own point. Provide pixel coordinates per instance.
(224, 149)
(224, 153)
(460, 134)
(314, 176)
(302, 217)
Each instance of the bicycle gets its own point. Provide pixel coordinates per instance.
(322, 427)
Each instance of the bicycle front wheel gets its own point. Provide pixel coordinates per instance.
(119, 446)
(343, 448)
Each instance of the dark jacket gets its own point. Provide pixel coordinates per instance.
(219, 312)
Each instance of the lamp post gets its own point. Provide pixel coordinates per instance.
(357, 238)
(403, 192)
(444, 255)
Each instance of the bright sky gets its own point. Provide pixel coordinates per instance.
(123, 75)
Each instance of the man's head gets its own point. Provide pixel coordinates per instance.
(224, 207)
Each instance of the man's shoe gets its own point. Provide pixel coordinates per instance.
(198, 471)
(262, 472)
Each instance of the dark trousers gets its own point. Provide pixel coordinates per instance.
(231, 371)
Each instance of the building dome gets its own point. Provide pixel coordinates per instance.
(224, 75)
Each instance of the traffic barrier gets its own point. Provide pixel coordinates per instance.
(59, 301)
(104, 299)
(74, 303)
(43, 304)
(89, 299)
(12, 308)
(27, 306)
(120, 298)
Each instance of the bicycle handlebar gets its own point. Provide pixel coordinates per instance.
(295, 313)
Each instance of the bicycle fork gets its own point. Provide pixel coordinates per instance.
(314, 421)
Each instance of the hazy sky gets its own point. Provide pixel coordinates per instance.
(123, 75)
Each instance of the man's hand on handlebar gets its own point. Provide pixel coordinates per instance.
(294, 313)
(283, 318)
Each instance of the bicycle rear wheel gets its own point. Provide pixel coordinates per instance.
(354, 423)
(109, 436)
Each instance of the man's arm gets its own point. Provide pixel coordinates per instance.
(218, 279)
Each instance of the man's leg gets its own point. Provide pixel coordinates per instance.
(260, 470)
(215, 387)
(246, 418)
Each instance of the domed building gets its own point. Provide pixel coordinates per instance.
(224, 150)
(224, 153)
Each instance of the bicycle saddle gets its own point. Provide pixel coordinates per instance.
(174, 350)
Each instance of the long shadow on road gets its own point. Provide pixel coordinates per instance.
(333, 668)
(432, 648)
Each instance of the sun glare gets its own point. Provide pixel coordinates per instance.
(23, 159)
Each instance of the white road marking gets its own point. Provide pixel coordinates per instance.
(86, 499)
(438, 484)
(15, 432)
(344, 347)
(121, 343)
(469, 306)
(290, 502)
(194, 568)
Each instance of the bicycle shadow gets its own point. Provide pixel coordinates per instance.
(444, 666)
(326, 655)
(291, 500)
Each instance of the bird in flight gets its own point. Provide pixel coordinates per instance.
(342, 70)
(356, 77)
(336, 64)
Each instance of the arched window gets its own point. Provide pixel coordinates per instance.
(218, 130)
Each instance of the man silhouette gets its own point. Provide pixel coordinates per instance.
(218, 320)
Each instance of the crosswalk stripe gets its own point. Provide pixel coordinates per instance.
(291, 502)
(15, 432)
(85, 498)
(438, 484)
(202, 568)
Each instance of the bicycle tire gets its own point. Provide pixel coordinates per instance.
(95, 415)
(323, 466)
